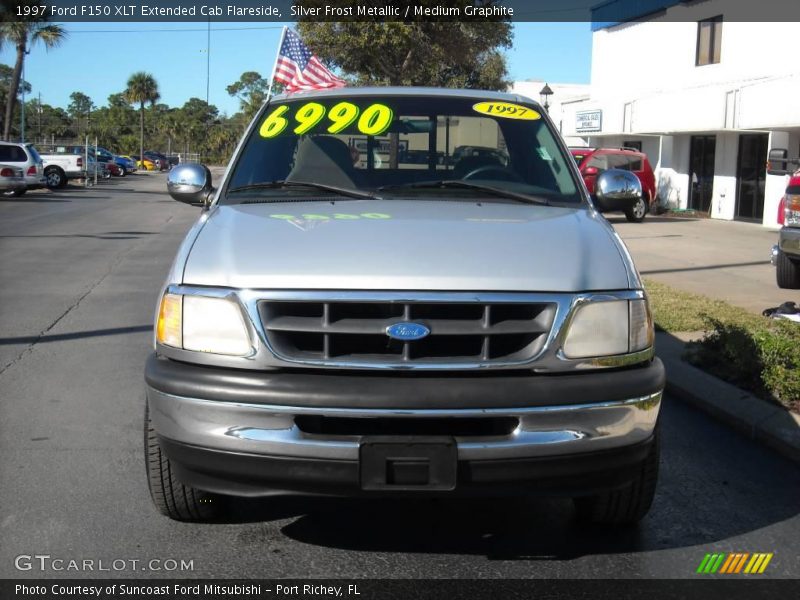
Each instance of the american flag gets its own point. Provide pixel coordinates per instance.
(299, 69)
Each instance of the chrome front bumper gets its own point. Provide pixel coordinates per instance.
(269, 430)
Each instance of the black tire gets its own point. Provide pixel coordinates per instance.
(638, 212)
(55, 178)
(628, 505)
(787, 272)
(15, 193)
(122, 171)
(170, 496)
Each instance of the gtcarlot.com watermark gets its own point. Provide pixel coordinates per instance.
(46, 562)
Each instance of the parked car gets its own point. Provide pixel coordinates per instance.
(161, 161)
(786, 254)
(100, 167)
(341, 329)
(25, 157)
(145, 163)
(114, 169)
(594, 161)
(126, 163)
(12, 180)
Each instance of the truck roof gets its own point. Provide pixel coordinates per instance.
(351, 92)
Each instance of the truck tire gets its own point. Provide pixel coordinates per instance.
(787, 272)
(55, 177)
(170, 496)
(15, 193)
(628, 505)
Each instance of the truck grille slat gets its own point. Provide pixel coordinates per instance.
(344, 332)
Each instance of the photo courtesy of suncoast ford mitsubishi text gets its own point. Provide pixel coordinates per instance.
(403, 292)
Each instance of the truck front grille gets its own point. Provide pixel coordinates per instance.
(341, 333)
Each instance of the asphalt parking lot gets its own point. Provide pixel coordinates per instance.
(81, 270)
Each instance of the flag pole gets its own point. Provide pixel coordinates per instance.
(275, 65)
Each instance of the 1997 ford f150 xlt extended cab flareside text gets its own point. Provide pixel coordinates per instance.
(360, 312)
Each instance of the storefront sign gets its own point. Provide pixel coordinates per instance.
(588, 120)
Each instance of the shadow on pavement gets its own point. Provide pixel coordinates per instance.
(76, 335)
(613, 218)
(705, 267)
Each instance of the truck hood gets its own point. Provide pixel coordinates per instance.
(407, 245)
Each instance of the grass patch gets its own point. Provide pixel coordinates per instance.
(755, 353)
(676, 310)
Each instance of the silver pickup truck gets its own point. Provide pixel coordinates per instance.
(360, 311)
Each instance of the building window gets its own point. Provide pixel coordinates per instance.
(709, 41)
(632, 145)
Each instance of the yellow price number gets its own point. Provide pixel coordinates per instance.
(308, 116)
(274, 123)
(506, 110)
(342, 116)
(373, 120)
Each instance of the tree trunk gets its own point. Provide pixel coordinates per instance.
(141, 132)
(11, 100)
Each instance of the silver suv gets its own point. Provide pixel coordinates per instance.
(342, 320)
(25, 157)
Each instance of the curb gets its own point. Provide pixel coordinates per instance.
(770, 425)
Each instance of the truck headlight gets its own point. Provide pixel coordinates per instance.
(606, 328)
(202, 324)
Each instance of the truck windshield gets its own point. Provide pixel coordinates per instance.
(402, 146)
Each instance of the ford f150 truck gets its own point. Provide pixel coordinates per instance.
(341, 322)
(60, 167)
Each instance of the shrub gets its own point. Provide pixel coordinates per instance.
(758, 354)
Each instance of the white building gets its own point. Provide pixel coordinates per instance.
(703, 97)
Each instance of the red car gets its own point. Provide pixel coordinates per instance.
(593, 161)
(786, 254)
(114, 169)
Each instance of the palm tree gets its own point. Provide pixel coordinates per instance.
(142, 87)
(24, 35)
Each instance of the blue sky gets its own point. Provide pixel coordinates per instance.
(98, 58)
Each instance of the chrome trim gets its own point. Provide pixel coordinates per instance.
(270, 430)
(549, 359)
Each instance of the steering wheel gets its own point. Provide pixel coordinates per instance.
(506, 173)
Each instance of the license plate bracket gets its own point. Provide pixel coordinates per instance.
(398, 463)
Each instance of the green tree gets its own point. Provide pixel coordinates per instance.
(142, 88)
(6, 74)
(80, 109)
(466, 54)
(251, 89)
(48, 121)
(23, 35)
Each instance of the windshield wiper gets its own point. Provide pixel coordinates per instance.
(460, 183)
(273, 185)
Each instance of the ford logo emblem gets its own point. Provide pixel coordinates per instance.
(407, 332)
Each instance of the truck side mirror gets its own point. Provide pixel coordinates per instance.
(190, 183)
(616, 186)
(778, 162)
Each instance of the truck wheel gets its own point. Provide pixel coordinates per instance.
(637, 213)
(787, 272)
(15, 193)
(628, 505)
(170, 496)
(55, 178)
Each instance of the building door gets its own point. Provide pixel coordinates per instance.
(701, 171)
(751, 175)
